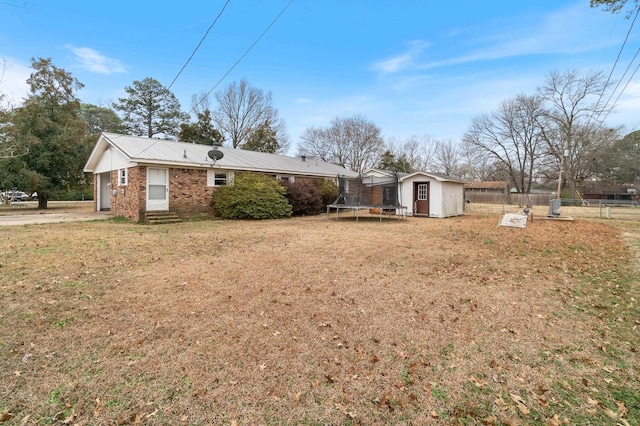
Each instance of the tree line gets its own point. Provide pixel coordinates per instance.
(556, 135)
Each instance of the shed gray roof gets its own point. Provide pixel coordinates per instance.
(180, 154)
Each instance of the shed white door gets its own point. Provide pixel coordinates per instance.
(157, 189)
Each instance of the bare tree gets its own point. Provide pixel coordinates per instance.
(420, 151)
(315, 143)
(417, 152)
(242, 109)
(353, 142)
(573, 103)
(200, 103)
(512, 136)
(448, 158)
(615, 6)
(476, 164)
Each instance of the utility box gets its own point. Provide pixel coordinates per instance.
(554, 207)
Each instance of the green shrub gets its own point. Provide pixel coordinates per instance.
(304, 198)
(251, 196)
(327, 190)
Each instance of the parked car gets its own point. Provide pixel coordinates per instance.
(15, 196)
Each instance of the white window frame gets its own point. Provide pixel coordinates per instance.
(423, 191)
(123, 177)
(214, 176)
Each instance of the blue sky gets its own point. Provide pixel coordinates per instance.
(413, 67)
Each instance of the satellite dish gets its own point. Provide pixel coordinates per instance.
(215, 155)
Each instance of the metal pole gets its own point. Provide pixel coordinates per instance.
(560, 176)
(565, 153)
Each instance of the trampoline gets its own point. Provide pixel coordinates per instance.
(373, 193)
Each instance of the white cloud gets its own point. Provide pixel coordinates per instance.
(571, 30)
(625, 112)
(13, 81)
(402, 61)
(93, 61)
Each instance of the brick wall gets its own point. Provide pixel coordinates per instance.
(189, 194)
(130, 200)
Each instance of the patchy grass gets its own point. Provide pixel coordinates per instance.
(312, 321)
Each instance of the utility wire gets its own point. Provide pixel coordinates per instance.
(611, 73)
(243, 55)
(199, 44)
(618, 85)
(623, 89)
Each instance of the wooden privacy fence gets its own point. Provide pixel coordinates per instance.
(517, 199)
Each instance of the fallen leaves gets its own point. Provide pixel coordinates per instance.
(521, 404)
(375, 359)
(5, 416)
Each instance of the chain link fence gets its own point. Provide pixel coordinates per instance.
(594, 209)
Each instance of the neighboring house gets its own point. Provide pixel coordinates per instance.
(601, 191)
(416, 194)
(487, 191)
(135, 175)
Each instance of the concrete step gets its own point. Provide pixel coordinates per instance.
(160, 218)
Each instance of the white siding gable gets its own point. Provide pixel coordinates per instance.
(112, 159)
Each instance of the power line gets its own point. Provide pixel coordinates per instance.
(243, 55)
(199, 44)
(611, 73)
(618, 85)
(623, 89)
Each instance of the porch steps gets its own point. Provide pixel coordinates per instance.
(161, 218)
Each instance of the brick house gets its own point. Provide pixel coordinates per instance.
(134, 175)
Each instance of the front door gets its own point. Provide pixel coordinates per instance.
(157, 189)
(421, 198)
(104, 189)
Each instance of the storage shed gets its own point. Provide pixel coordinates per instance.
(432, 194)
(420, 193)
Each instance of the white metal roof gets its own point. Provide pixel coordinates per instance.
(437, 176)
(142, 150)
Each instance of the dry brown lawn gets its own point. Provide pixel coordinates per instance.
(315, 321)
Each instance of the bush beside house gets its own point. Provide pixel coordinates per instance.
(252, 196)
(304, 198)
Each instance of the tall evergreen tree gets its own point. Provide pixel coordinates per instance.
(263, 139)
(151, 110)
(202, 131)
(100, 119)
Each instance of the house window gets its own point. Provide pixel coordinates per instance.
(217, 178)
(285, 179)
(122, 177)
